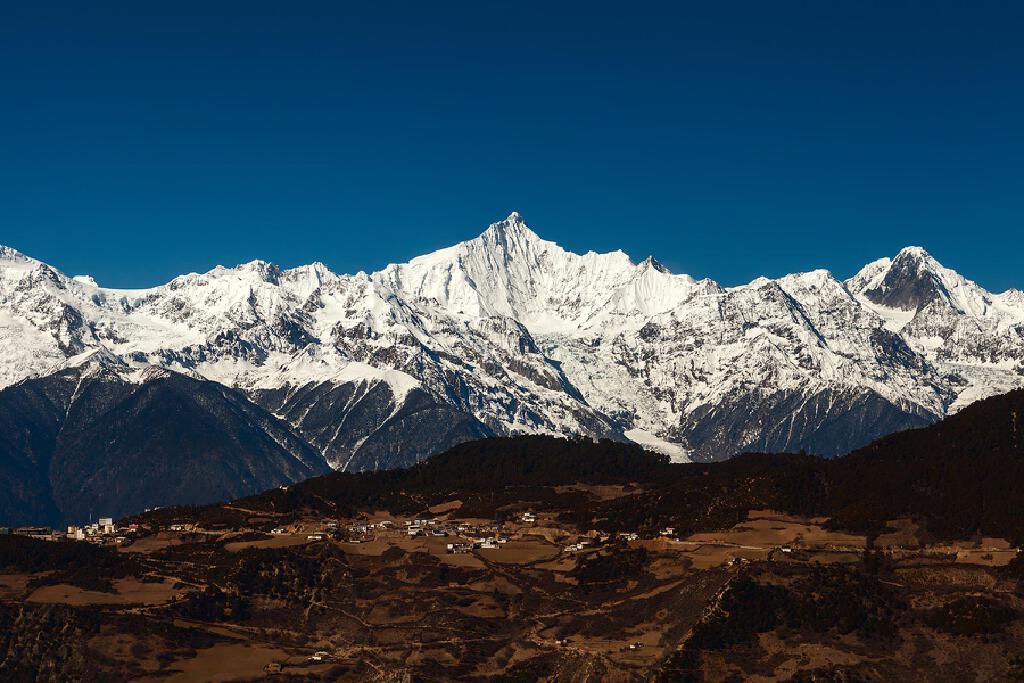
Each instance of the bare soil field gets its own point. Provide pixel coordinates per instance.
(558, 565)
(551, 534)
(462, 560)
(708, 555)
(442, 508)
(225, 662)
(599, 491)
(521, 552)
(13, 586)
(988, 558)
(127, 592)
(153, 543)
(281, 541)
(374, 548)
(833, 557)
(765, 529)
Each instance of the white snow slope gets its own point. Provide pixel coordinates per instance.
(530, 338)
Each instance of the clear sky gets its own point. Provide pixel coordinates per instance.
(139, 140)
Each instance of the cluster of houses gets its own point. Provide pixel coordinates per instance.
(486, 536)
(425, 527)
(595, 539)
(479, 543)
(101, 532)
(471, 536)
(355, 533)
(320, 656)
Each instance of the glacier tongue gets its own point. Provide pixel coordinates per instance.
(525, 336)
(674, 451)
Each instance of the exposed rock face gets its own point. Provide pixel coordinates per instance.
(831, 422)
(509, 333)
(365, 426)
(909, 283)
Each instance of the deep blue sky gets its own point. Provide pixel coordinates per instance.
(140, 140)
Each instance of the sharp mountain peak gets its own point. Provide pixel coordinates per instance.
(515, 237)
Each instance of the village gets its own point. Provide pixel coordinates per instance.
(530, 536)
(526, 537)
(102, 532)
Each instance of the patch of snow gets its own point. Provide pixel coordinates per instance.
(674, 451)
(895, 318)
(85, 280)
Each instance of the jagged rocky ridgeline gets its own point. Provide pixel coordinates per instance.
(509, 333)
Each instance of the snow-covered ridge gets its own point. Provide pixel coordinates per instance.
(529, 337)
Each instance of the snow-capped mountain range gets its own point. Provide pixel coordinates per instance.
(509, 333)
